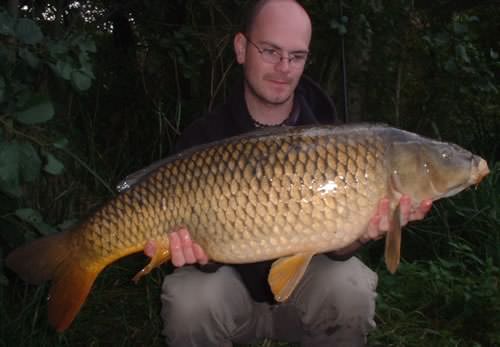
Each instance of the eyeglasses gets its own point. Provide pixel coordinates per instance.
(273, 56)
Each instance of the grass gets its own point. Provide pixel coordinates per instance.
(446, 292)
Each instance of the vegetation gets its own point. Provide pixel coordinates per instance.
(93, 90)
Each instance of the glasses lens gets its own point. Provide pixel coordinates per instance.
(271, 56)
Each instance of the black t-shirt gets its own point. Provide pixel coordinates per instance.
(311, 106)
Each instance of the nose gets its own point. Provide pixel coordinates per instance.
(283, 65)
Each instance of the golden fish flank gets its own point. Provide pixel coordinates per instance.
(283, 194)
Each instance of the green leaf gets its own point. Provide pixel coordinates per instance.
(9, 169)
(28, 31)
(6, 24)
(80, 80)
(68, 223)
(459, 28)
(85, 65)
(87, 45)
(63, 69)
(61, 143)
(29, 162)
(19, 163)
(53, 165)
(7, 57)
(31, 59)
(57, 49)
(35, 219)
(38, 110)
(462, 53)
(2, 89)
(86, 68)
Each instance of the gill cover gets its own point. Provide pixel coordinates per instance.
(424, 168)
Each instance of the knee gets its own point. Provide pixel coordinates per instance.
(350, 299)
(182, 301)
(341, 291)
(202, 305)
(351, 289)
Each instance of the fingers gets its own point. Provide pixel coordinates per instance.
(422, 210)
(184, 250)
(200, 254)
(187, 246)
(409, 214)
(379, 223)
(176, 249)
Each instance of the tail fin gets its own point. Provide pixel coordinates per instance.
(54, 258)
(37, 261)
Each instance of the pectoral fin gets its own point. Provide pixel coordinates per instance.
(393, 243)
(286, 273)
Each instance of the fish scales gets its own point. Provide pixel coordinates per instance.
(280, 193)
(257, 199)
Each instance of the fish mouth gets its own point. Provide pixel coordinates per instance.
(479, 171)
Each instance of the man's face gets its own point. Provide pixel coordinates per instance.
(285, 28)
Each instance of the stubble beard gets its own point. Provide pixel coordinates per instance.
(263, 98)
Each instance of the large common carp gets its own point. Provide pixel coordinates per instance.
(282, 193)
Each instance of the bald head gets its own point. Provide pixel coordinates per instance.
(288, 11)
(280, 28)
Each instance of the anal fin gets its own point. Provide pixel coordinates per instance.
(286, 273)
(160, 254)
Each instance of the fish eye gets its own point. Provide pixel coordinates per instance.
(446, 154)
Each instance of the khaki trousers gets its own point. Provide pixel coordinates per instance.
(333, 305)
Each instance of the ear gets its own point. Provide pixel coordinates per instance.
(240, 44)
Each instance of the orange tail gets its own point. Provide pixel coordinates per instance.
(53, 258)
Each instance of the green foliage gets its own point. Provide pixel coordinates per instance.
(28, 147)
(25, 99)
(35, 219)
(452, 304)
(19, 163)
(70, 60)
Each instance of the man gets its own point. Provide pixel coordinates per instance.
(334, 303)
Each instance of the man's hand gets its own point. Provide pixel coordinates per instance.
(184, 250)
(380, 222)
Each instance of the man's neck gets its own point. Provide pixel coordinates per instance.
(267, 113)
